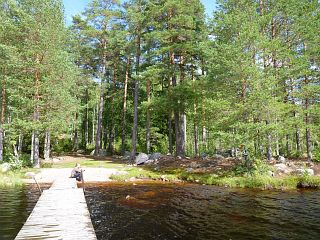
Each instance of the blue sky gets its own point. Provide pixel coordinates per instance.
(73, 7)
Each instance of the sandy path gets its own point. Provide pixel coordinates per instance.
(90, 174)
(49, 175)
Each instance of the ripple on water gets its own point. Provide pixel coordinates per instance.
(15, 206)
(158, 211)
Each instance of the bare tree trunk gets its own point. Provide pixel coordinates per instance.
(101, 105)
(86, 133)
(307, 121)
(195, 126)
(170, 134)
(123, 137)
(308, 133)
(32, 148)
(36, 159)
(277, 147)
(75, 136)
(288, 146)
(196, 139)
(148, 124)
(204, 129)
(47, 144)
(136, 99)
(20, 143)
(269, 146)
(93, 125)
(298, 143)
(99, 124)
(36, 115)
(2, 119)
(1, 144)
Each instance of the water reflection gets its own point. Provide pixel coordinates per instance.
(16, 204)
(158, 211)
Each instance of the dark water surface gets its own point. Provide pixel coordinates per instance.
(16, 204)
(159, 211)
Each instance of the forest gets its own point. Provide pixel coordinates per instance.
(160, 76)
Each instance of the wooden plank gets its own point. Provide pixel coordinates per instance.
(60, 213)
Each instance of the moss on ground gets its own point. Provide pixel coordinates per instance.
(246, 181)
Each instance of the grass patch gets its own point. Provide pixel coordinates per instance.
(143, 173)
(259, 181)
(14, 178)
(88, 163)
(10, 179)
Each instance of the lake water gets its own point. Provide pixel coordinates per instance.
(166, 211)
(15, 206)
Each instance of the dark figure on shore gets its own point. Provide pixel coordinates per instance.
(76, 172)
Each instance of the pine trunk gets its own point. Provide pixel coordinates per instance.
(1, 144)
(170, 134)
(123, 137)
(86, 133)
(99, 124)
(298, 142)
(32, 148)
(196, 140)
(36, 159)
(101, 105)
(269, 145)
(136, 99)
(75, 136)
(47, 144)
(2, 119)
(36, 116)
(148, 124)
(288, 146)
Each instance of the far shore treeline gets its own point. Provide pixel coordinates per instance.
(159, 76)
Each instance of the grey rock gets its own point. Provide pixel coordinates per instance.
(195, 165)
(218, 156)
(141, 158)
(55, 160)
(155, 156)
(282, 168)
(149, 162)
(204, 156)
(189, 170)
(126, 156)
(103, 153)
(307, 171)
(5, 167)
(281, 159)
(92, 153)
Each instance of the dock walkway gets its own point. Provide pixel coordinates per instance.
(60, 213)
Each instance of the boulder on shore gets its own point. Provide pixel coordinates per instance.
(141, 158)
(282, 168)
(155, 156)
(307, 171)
(281, 159)
(126, 156)
(5, 167)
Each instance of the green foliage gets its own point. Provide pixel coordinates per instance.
(63, 145)
(317, 155)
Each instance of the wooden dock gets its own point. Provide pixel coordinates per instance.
(60, 213)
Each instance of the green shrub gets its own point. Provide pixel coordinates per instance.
(316, 155)
(62, 145)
